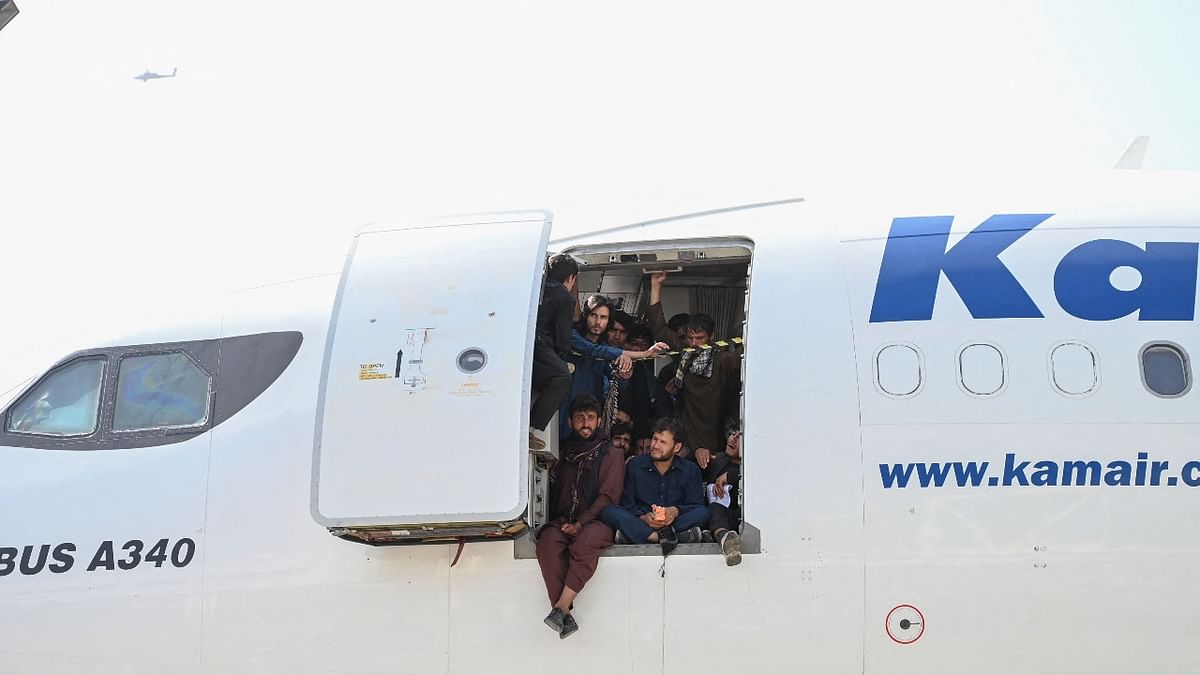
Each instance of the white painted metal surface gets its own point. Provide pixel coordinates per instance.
(1078, 576)
(426, 381)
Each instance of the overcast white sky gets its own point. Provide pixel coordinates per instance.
(291, 124)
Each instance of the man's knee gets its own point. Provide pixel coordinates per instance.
(594, 536)
(695, 516)
(720, 517)
(612, 516)
(551, 541)
(560, 381)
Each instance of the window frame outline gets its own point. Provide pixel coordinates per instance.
(98, 425)
(921, 370)
(1184, 357)
(1004, 379)
(1096, 368)
(163, 430)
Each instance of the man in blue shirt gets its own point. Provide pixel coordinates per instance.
(663, 499)
(592, 355)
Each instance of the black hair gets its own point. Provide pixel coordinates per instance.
(669, 424)
(621, 317)
(702, 322)
(640, 431)
(593, 302)
(561, 267)
(678, 321)
(732, 427)
(619, 428)
(639, 331)
(584, 403)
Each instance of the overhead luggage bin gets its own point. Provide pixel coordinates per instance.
(423, 410)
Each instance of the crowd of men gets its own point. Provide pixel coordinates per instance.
(644, 457)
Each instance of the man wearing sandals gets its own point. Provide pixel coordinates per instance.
(585, 481)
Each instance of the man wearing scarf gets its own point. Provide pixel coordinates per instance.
(587, 478)
(707, 383)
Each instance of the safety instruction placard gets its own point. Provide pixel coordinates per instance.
(373, 371)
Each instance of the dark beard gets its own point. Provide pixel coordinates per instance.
(576, 448)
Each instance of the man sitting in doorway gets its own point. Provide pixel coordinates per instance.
(663, 499)
(586, 480)
(621, 438)
(723, 479)
(641, 441)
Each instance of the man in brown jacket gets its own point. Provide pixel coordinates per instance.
(706, 384)
(587, 478)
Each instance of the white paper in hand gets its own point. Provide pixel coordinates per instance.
(712, 496)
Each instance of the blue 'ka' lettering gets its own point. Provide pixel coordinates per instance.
(1167, 291)
(915, 258)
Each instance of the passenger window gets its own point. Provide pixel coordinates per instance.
(1165, 370)
(898, 370)
(160, 391)
(1074, 370)
(981, 369)
(65, 403)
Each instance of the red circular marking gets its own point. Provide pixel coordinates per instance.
(887, 629)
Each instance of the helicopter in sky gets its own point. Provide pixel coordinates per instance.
(150, 75)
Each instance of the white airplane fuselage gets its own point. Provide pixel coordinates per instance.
(859, 376)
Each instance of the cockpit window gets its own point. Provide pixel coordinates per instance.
(160, 391)
(152, 395)
(65, 403)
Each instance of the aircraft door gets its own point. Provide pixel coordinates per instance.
(422, 415)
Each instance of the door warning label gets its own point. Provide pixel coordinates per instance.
(373, 371)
